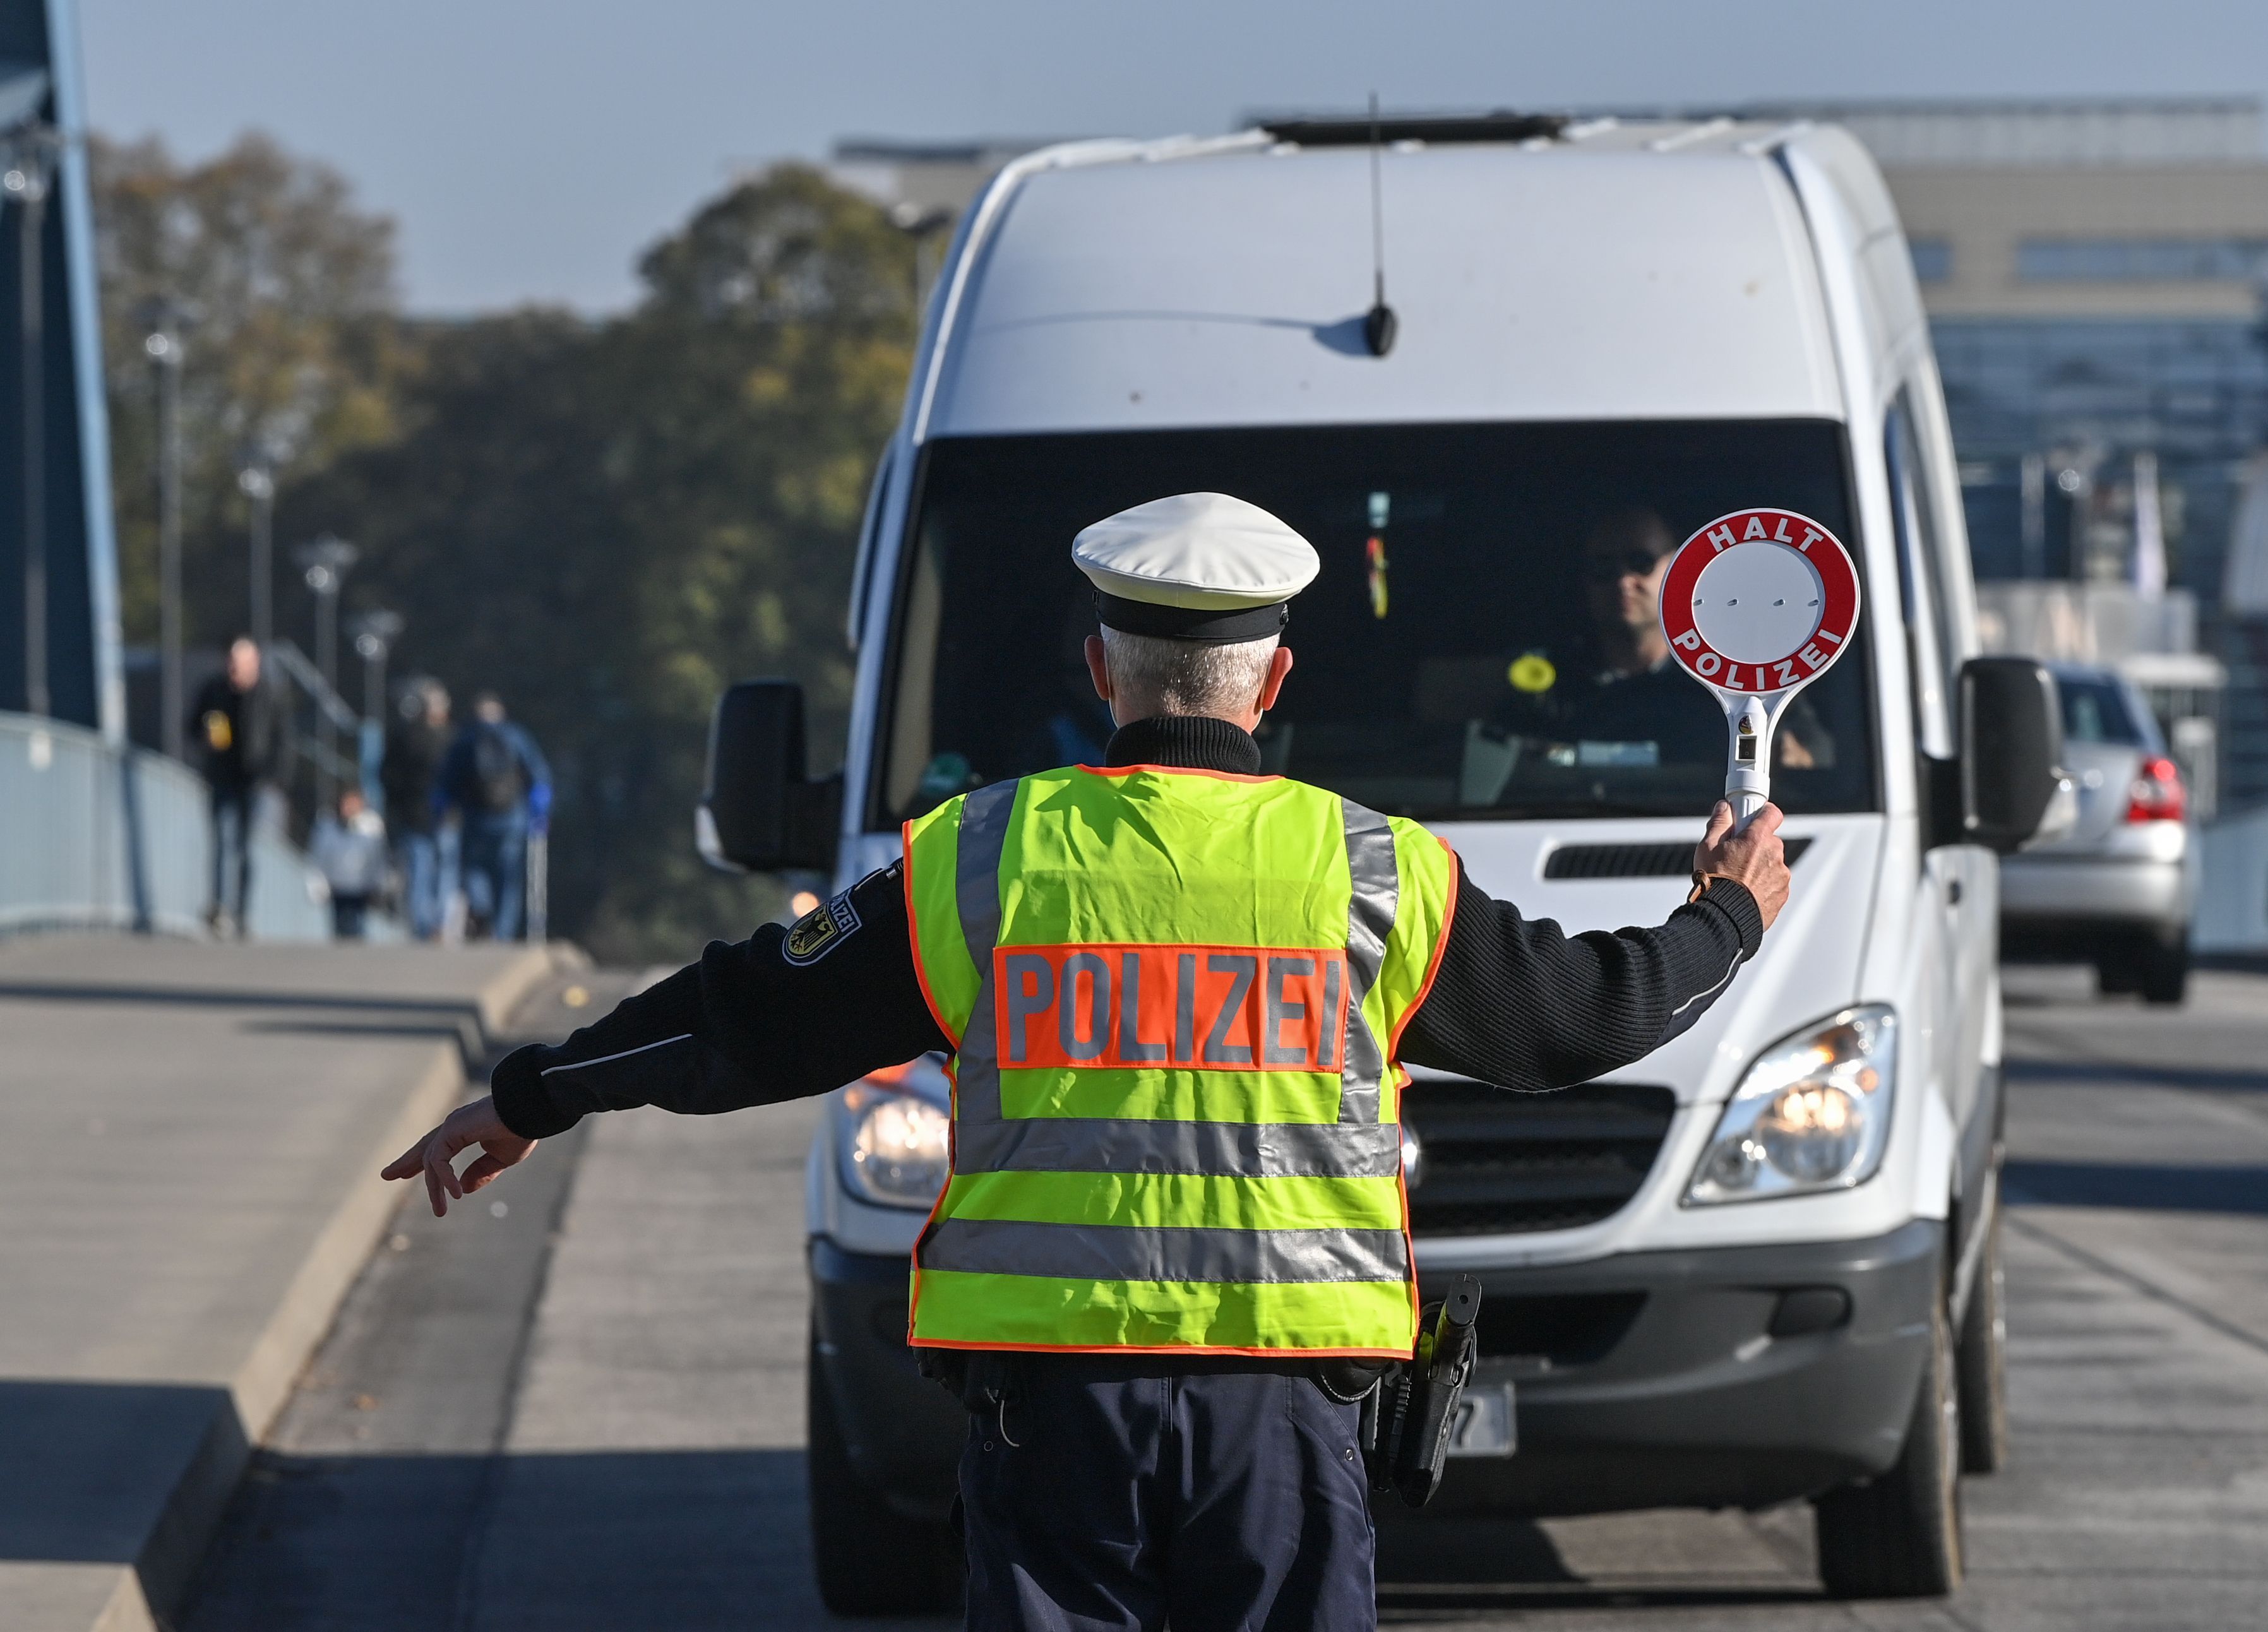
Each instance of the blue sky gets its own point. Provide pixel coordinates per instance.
(530, 148)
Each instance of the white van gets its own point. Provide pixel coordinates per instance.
(1600, 326)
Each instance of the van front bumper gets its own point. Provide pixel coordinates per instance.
(1730, 1377)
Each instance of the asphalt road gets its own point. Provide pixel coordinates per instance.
(580, 1405)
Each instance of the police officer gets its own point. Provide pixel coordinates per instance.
(1177, 995)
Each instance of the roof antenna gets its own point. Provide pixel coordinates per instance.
(1379, 324)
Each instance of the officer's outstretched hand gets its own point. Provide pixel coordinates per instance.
(1751, 857)
(435, 1155)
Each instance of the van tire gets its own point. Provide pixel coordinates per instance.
(869, 1559)
(2165, 968)
(1981, 1366)
(1898, 1534)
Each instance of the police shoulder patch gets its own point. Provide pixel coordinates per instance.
(820, 931)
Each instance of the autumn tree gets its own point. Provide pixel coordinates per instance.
(608, 521)
(285, 293)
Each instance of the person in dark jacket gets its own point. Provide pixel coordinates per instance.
(408, 776)
(238, 724)
(494, 778)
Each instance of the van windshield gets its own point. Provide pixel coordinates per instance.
(1481, 641)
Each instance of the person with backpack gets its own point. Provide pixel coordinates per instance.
(495, 779)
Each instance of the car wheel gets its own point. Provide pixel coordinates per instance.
(1898, 1534)
(2165, 971)
(869, 1559)
(1980, 1361)
(2118, 970)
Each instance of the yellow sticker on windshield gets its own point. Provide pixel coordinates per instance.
(1532, 671)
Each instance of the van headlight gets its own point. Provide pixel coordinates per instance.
(1813, 1113)
(893, 1146)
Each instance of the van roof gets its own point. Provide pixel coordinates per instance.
(1539, 269)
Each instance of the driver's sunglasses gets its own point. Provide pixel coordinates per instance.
(1606, 567)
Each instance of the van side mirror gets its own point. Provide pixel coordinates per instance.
(760, 812)
(2011, 784)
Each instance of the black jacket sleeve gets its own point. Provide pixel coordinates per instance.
(1514, 1002)
(1520, 1004)
(747, 1025)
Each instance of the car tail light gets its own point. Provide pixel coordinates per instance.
(2156, 795)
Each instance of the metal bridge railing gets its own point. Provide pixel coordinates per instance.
(92, 836)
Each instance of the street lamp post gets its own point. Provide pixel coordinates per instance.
(374, 633)
(163, 347)
(325, 562)
(30, 167)
(257, 483)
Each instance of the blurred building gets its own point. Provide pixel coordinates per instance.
(2094, 274)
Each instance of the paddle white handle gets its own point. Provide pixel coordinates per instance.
(1747, 759)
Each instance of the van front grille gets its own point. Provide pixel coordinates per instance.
(1495, 1162)
(1562, 1330)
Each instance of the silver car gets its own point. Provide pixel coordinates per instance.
(2119, 890)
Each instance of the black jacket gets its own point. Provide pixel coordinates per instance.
(1514, 1002)
(240, 735)
(412, 765)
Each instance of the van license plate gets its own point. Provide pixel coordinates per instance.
(1485, 1424)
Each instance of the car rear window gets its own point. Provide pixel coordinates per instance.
(2096, 711)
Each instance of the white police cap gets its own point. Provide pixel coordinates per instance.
(1198, 566)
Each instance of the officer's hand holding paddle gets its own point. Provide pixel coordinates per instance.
(435, 1155)
(1751, 856)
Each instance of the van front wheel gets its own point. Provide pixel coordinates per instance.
(1898, 1535)
(869, 1559)
(1981, 1361)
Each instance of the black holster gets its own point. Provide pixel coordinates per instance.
(1407, 1418)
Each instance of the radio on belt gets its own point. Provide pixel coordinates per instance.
(1757, 604)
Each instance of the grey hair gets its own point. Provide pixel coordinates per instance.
(1161, 676)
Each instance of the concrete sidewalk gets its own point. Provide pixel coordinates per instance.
(189, 1141)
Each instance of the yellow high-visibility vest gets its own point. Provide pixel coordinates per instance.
(1175, 997)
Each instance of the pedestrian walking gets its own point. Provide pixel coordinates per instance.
(239, 724)
(1171, 1257)
(408, 776)
(348, 848)
(495, 781)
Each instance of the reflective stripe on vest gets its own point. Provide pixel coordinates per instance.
(1174, 997)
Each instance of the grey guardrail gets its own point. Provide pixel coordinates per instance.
(96, 836)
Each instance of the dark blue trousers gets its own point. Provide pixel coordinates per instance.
(1115, 1493)
(493, 857)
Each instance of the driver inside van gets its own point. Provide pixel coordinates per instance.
(1638, 694)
